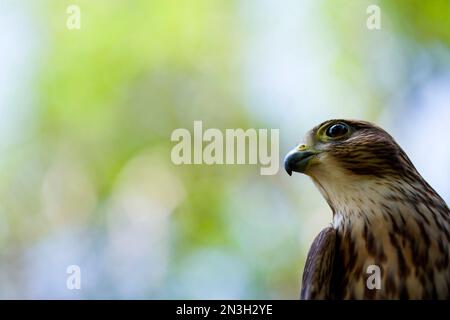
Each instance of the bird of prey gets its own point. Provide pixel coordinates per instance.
(384, 214)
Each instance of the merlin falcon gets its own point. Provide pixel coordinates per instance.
(384, 214)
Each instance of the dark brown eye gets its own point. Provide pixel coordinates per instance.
(336, 130)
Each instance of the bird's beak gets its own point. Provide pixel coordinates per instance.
(298, 159)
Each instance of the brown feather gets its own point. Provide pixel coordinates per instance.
(316, 279)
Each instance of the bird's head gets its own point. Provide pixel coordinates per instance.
(346, 155)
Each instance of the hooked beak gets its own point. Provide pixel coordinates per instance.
(298, 159)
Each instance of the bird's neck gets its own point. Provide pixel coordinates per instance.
(374, 199)
(347, 197)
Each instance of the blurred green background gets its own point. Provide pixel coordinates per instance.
(86, 117)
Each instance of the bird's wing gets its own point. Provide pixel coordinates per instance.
(318, 270)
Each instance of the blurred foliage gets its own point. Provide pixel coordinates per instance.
(108, 97)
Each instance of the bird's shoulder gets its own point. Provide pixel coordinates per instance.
(317, 275)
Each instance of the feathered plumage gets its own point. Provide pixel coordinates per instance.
(384, 214)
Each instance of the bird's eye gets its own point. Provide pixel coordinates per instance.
(336, 130)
